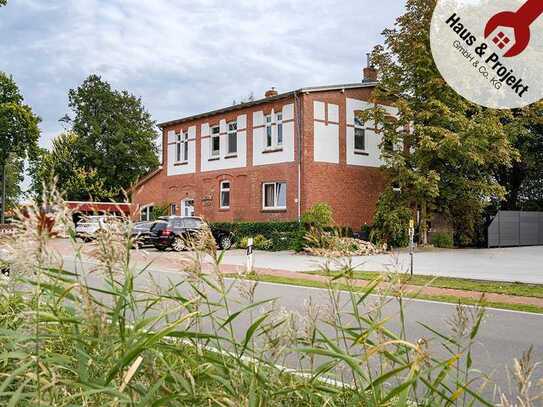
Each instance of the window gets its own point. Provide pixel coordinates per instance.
(359, 135)
(146, 213)
(269, 132)
(274, 195)
(279, 121)
(187, 207)
(232, 138)
(182, 147)
(225, 195)
(215, 141)
(173, 209)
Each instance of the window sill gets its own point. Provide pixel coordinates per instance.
(272, 150)
(224, 209)
(274, 210)
(233, 155)
(214, 159)
(361, 153)
(179, 163)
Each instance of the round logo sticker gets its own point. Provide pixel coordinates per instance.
(490, 51)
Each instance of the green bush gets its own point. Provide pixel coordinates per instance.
(319, 216)
(281, 235)
(259, 243)
(444, 240)
(391, 221)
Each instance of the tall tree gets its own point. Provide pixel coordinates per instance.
(61, 165)
(19, 131)
(446, 149)
(116, 135)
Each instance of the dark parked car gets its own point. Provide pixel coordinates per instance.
(173, 231)
(141, 233)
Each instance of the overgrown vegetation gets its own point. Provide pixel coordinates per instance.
(114, 336)
(443, 240)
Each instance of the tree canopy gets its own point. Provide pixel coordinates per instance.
(446, 150)
(111, 144)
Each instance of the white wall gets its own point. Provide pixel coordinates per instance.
(373, 140)
(224, 163)
(326, 136)
(188, 168)
(286, 154)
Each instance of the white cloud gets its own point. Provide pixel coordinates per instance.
(184, 57)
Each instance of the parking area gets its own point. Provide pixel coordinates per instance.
(518, 264)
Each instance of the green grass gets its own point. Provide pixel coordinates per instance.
(440, 298)
(497, 287)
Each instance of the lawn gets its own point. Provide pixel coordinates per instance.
(498, 287)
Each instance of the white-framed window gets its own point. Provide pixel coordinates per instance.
(269, 132)
(225, 194)
(279, 124)
(146, 213)
(359, 135)
(232, 138)
(274, 139)
(173, 209)
(182, 147)
(187, 207)
(215, 141)
(274, 195)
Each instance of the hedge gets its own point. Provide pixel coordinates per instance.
(283, 235)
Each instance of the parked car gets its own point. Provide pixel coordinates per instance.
(141, 234)
(173, 231)
(88, 228)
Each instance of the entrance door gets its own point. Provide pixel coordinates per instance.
(187, 207)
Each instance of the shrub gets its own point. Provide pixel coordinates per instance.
(444, 240)
(282, 235)
(259, 243)
(319, 216)
(391, 221)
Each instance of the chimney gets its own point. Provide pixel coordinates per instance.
(271, 93)
(370, 73)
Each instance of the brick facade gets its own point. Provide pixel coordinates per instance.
(351, 190)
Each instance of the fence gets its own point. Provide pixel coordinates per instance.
(516, 228)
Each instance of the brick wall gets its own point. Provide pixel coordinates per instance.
(352, 191)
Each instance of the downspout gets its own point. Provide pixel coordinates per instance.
(297, 119)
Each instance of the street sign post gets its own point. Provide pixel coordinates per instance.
(411, 243)
(250, 256)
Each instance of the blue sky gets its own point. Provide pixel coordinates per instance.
(184, 57)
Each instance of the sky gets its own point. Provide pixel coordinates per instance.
(184, 57)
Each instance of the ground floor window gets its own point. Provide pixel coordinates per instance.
(146, 213)
(173, 209)
(225, 194)
(274, 195)
(187, 207)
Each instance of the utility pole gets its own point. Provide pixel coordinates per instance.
(3, 208)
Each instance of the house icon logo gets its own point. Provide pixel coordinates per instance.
(519, 23)
(490, 51)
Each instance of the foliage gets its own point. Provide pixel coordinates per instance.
(283, 235)
(113, 139)
(3, 2)
(159, 210)
(440, 149)
(66, 342)
(319, 216)
(524, 179)
(14, 177)
(391, 221)
(259, 243)
(443, 240)
(78, 183)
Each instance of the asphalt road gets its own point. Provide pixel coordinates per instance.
(504, 335)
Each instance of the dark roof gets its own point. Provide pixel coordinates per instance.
(266, 100)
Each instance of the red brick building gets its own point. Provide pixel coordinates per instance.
(271, 159)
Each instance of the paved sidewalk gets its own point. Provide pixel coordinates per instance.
(180, 261)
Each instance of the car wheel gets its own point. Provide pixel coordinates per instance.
(160, 248)
(225, 242)
(178, 244)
